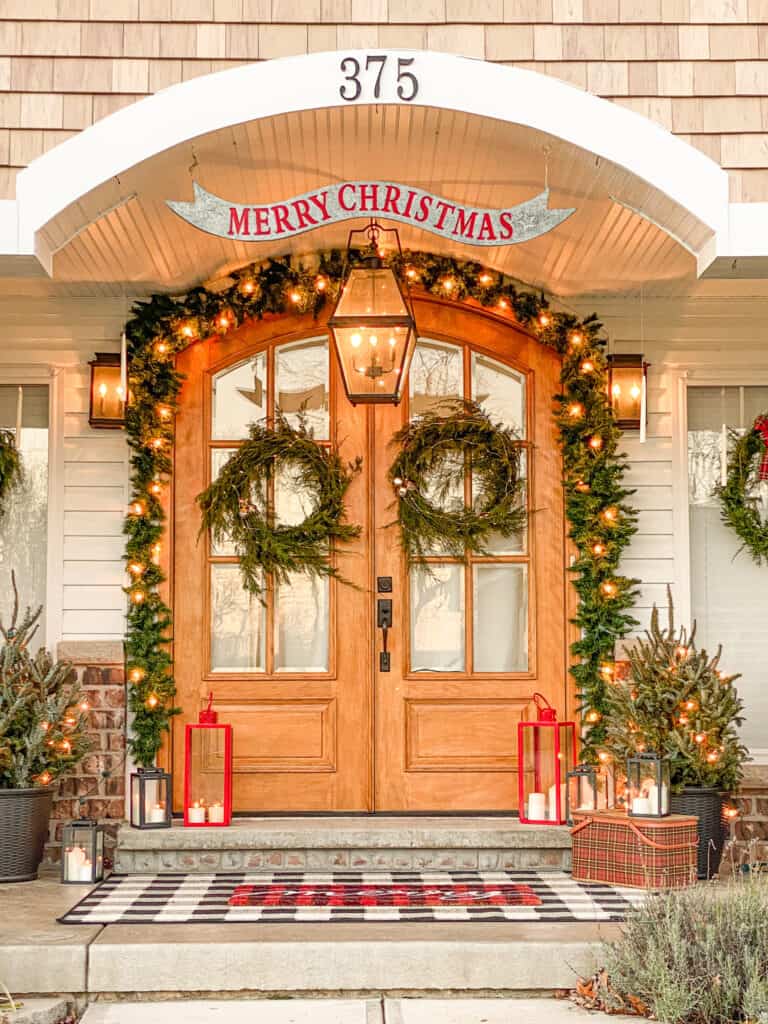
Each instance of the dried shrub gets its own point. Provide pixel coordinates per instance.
(697, 955)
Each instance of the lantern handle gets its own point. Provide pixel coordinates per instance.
(210, 702)
(546, 712)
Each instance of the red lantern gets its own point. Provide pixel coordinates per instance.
(208, 771)
(545, 751)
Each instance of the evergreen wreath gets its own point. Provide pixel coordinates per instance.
(601, 521)
(238, 506)
(739, 511)
(10, 467)
(435, 450)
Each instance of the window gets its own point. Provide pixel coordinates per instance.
(290, 631)
(729, 596)
(23, 529)
(470, 617)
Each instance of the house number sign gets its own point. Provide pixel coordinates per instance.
(364, 80)
(387, 200)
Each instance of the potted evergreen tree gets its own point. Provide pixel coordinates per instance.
(43, 720)
(677, 701)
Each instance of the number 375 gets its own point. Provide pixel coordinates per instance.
(354, 85)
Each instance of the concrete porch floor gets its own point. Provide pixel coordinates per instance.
(39, 956)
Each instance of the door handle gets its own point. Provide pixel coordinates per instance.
(384, 623)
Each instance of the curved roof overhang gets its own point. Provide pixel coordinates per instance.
(648, 205)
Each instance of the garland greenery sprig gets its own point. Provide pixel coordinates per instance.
(238, 507)
(434, 451)
(601, 521)
(738, 509)
(10, 466)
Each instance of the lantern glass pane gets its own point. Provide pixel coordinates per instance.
(373, 358)
(77, 854)
(239, 397)
(371, 291)
(436, 376)
(207, 780)
(500, 613)
(500, 390)
(107, 398)
(437, 618)
(648, 786)
(582, 791)
(150, 800)
(626, 392)
(539, 767)
(301, 385)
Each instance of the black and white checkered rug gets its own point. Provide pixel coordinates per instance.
(286, 896)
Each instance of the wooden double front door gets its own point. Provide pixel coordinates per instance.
(318, 726)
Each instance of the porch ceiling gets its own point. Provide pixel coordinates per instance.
(123, 234)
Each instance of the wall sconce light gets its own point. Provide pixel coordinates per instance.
(627, 389)
(107, 407)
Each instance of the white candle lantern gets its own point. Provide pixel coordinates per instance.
(150, 798)
(82, 852)
(648, 786)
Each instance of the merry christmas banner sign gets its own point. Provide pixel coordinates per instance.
(475, 225)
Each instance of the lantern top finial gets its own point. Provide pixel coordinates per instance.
(546, 712)
(208, 716)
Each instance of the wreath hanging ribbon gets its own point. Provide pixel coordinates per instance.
(238, 507)
(739, 510)
(761, 426)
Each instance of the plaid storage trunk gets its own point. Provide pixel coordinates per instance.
(643, 853)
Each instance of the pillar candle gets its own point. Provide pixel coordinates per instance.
(658, 806)
(196, 813)
(537, 806)
(553, 802)
(216, 814)
(157, 813)
(74, 861)
(641, 805)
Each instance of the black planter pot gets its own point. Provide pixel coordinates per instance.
(24, 817)
(707, 805)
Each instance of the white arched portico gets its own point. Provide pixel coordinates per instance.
(648, 205)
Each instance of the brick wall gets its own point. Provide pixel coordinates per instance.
(699, 67)
(749, 832)
(97, 789)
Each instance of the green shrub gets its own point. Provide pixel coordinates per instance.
(698, 955)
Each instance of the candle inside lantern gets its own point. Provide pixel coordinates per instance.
(537, 806)
(157, 813)
(641, 804)
(658, 803)
(553, 815)
(86, 871)
(196, 813)
(75, 858)
(216, 814)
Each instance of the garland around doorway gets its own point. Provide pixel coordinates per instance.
(601, 522)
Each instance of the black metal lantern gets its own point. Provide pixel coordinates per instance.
(107, 405)
(151, 796)
(82, 852)
(627, 379)
(373, 326)
(589, 788)
(647, 786)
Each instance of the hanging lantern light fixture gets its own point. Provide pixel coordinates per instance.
(627, 383)
(373, 326)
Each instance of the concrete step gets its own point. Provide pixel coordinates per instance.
(347, 843)
(343, 959)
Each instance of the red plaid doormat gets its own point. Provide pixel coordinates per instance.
(390, 894)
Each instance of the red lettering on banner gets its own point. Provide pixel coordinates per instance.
(261, 216)
(409, 203)
(281, 212)
(465, 225)
(321, 202)
(444, 208)
(487, 230)
(369, 194)
(342, 204)
(303, 218)
(391, 199)
(425, 205)
(505, 220)
(239, 222)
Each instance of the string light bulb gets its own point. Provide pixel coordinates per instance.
(594, 716)
(700, 737)
(607, 671)
(136, 675)
(575, 410)
(595, 442)
(544, 319)
(84, 706)
(582, 487)
(681, 652)
(598, 549)
(163, 412)
(157, 443)
(587, 366)
(44, 778)
(485, 278)
(135, 568)
(156, 488)
(610, 515)
(137, 508)
(447, 284)
(713, 756)
(152, 700)
(156, 549)
(137, 596)
(188, 330)
(576, 339)
(295, 297)
(321, 284)
(503, 304)
(410, 274)
(248, 287)
(223, 321)
(608, 589)
(604, 757)
(161, 348)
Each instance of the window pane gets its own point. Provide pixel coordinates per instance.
(437, 618)
(500, 390)
(293, 501)
(729, 599)
(436, 374)
(219, 456)
(24, 527)
(500, 613)
(237, 623)
(301, 372)
(496, 544)
(239, 398)
(301, 624)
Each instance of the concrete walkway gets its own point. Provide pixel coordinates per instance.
(339, 1011)
(39, 956)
